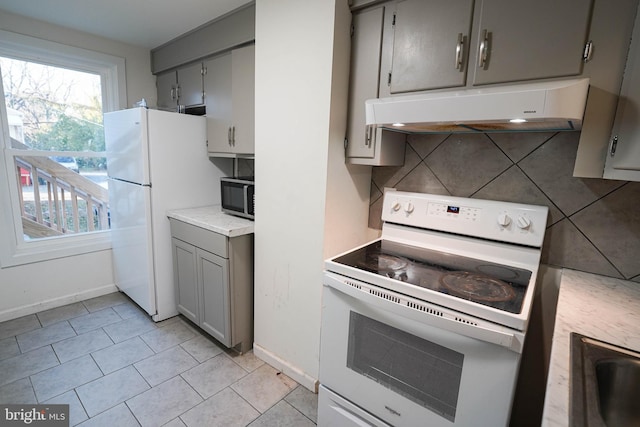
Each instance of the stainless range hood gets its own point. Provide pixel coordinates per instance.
(541, 106)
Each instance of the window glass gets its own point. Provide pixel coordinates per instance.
(55, 116)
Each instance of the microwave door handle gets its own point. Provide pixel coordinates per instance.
(246, 199)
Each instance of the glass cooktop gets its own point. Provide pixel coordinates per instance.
(495, 285)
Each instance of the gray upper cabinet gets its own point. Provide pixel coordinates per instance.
(431, 44)
(166, 84)
(229, 85)
(443, 44)
(373, 148)
(519, 40)
(190, 85)
(182, 87)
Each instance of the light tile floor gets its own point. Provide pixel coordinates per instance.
(115, 367)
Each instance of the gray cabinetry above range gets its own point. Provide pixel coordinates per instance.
(430, 45)
(379, 148)
(530, 40)
(442, 44)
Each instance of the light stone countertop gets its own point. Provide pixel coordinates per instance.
(599, 307)
(212, 218)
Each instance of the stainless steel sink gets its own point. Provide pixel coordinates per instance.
(605, 384)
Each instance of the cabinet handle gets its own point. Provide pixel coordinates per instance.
(614, 145)
(459, 51)
(484, 49)
(229, 136)
(368, 136)
(233, 135)
(588, 51)
(173, 93)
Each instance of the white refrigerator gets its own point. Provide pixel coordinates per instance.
(156, 161)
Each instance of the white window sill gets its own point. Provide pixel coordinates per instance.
(59, 247)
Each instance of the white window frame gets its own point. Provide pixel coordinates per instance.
(14, 250)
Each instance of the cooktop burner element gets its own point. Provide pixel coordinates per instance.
(385, 262)
(477, 287)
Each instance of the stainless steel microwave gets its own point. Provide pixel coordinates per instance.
(238, 196)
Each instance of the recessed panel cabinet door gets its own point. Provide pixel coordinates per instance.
(243, 89)
(525, 40)
(217, 88)
(185, 279)
(431, 44)
(190, 85)
(215, 315)
(166, 87)
(366, 43)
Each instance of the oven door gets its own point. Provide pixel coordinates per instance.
(406, 366)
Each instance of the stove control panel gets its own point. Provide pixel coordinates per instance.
(489, 219)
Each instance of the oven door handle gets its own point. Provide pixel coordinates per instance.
(397, 304)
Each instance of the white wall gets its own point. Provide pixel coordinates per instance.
(29, 288)
(301, 178)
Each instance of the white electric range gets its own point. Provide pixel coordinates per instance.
(426, 325)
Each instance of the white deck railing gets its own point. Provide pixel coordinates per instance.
(62, 200)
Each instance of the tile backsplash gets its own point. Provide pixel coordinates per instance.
(593, 224)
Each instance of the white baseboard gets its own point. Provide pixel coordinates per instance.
(289, 370)
(25, 310)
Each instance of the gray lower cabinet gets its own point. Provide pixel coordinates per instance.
(213, 276)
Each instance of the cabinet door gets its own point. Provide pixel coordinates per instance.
(431, 44)
(190, 85)
(166, 87)
(243, 90)
(623, 157)
(531, 40)
(366, 43)
(217, 88)
(185, 279)
(215, 317)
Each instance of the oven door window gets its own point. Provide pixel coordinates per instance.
(424, 372)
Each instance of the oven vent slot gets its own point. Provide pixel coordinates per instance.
(421, 307)
(352, 284)
(384, 295)
(468, 322)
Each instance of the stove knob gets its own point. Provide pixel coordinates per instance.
(523, 222)
(395, 206)
(408, 207)
(504, 219)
